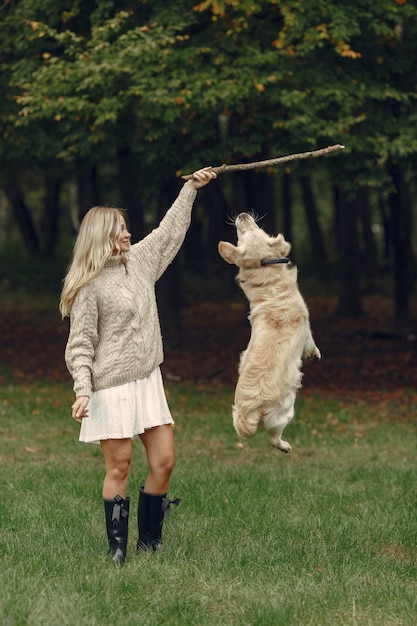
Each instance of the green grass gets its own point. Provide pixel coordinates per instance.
(323, 536)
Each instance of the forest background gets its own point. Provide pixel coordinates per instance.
(111, 102)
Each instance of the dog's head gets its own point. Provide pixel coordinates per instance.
(254, 245)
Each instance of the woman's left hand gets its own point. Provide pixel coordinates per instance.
(202, 177)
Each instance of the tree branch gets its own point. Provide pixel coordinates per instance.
(239, 167)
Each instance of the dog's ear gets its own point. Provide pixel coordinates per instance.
(229, 252)
(279, 243)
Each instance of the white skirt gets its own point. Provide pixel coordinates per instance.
(126, 411)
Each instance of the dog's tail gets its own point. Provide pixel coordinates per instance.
(245, 426)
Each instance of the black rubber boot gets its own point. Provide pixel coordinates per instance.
(152, 511)
(117, 523)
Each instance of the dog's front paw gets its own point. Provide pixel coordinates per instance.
(314, 355)
(282, 445)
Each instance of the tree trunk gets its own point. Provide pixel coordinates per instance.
(287, 221)
(219, 219)
(400, 221)
(370, 256)
(88, 192)
(22, 216)
(50, 217)
(316, 237)
(349, 288)
(130, 189)
(240, 194)
(384, 211)
(263, 200)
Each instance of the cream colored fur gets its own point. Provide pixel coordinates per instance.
(270, 367)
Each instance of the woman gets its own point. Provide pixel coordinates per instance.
(114, 352)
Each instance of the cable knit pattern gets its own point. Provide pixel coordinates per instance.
(115, 334)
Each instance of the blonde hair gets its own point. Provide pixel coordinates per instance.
(97, 241)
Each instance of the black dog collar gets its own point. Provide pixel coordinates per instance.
(275, 261)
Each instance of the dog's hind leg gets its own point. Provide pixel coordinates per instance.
(276, 421)
(276, 441)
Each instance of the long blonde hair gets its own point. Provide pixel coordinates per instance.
(97, 241)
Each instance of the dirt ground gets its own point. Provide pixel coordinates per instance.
(361, 356)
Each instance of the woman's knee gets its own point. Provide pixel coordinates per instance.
(163, 465)
(120, 468)
(118, 459)
(160, 449)
(169, 462)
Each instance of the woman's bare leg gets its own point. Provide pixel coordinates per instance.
(118, 458)
(160, 452)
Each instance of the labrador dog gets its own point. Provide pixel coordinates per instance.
(270, 367)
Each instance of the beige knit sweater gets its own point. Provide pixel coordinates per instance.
(115, 334)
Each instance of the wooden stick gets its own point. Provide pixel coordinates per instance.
(239, 167)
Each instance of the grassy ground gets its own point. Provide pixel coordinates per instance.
(323, 536)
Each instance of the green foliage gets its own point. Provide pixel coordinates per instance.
(281, 77)
(158, 88)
